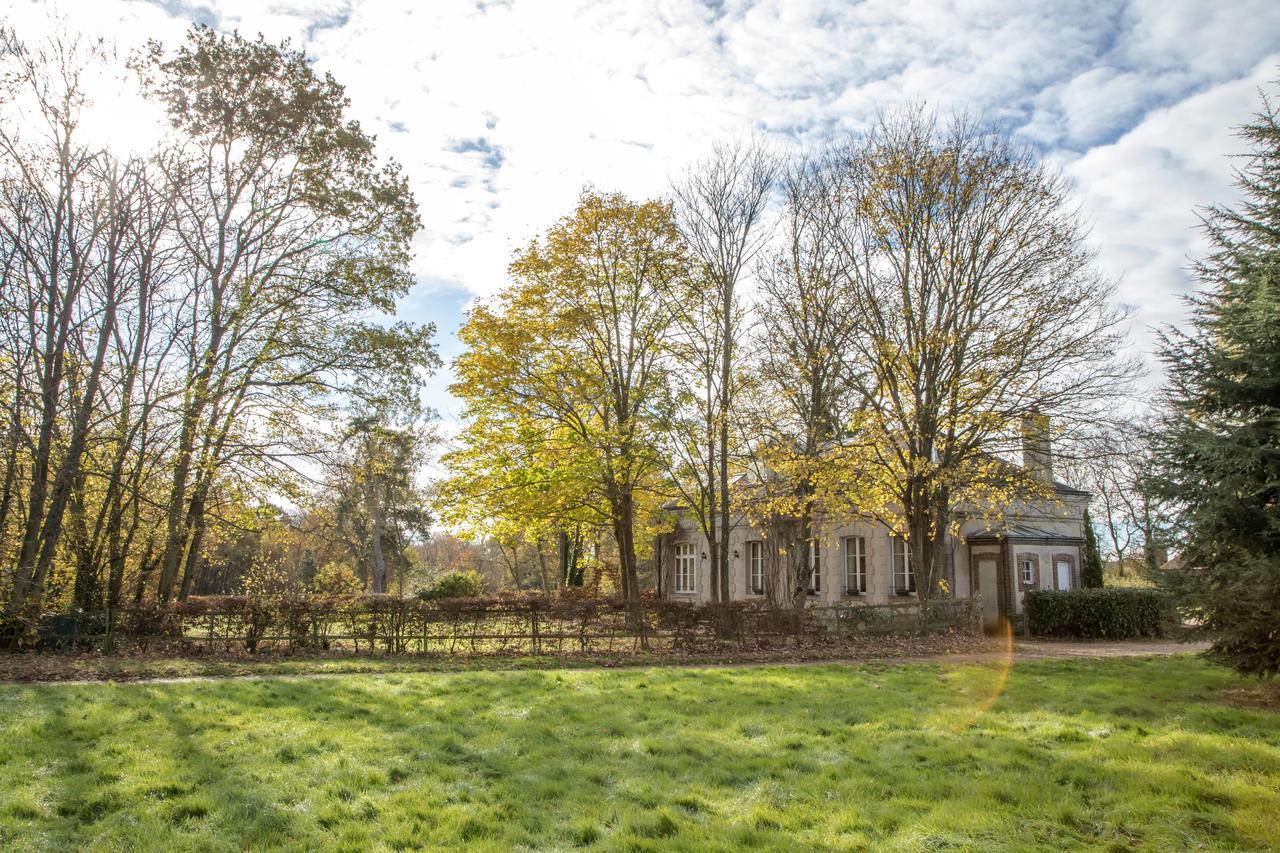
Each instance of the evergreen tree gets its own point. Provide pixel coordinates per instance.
(1218, 454)
(1091, 566)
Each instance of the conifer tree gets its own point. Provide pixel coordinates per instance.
(1091, 566)
(1218, 454)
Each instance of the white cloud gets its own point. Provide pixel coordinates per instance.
(502, 111)
(1143, 192)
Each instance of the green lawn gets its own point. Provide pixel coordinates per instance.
(1117, 753)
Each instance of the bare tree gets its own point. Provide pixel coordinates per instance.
(978, 305)
(80, 229)
(720, 207)
(806, 325)
(1113, 462)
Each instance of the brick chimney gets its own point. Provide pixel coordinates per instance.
(1037, 446)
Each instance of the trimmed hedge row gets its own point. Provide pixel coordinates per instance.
(1098, 613)
(503, 624)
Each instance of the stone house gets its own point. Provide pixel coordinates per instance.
(1036, 544)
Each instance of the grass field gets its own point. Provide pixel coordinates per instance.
(1162, 753)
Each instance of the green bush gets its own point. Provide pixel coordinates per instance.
(1097, 613)
(467, 584)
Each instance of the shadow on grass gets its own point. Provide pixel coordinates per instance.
(1069, 753)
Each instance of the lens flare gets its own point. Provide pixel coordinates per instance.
(1003, 665)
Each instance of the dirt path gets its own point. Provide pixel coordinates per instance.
(1039, 649)
(1029, 650)
(1023, 650)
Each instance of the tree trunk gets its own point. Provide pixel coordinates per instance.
(712, 508)
(938, 543)
(57, 325)
(115, 564)
(175, 530)
(85, 592)
(800, 571)
(145, 567)
(624, 535)
(68, 474)
(571, 557)
(11, 460)
(195, 541)
(25, 582)
(195, 406)
(375, 542)
(928, 516)
(542, 568)
(713, 553)
(726, 397)
(563, 537)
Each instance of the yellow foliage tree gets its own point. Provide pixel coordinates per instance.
(563, 382)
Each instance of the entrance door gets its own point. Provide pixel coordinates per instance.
(988, 577)
(1064, 574)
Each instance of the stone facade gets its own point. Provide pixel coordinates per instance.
(1034, 545)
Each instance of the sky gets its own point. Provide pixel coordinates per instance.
(501, 112)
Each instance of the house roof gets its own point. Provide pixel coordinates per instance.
(1064, 489)
(1026, 531)
(748, 478)
(1023, 532)
(1058, 486)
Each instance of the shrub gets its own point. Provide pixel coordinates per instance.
(336, 579)
(1097, 613)
(467, 584)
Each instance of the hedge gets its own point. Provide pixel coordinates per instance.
(1097, 613)
(512, 623)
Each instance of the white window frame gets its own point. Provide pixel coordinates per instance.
(755, 567)
(1028, 572)
(815, 568)
(855, 565)
(900, 551)
(686, 568)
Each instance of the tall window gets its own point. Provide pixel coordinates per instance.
(686, 567)
(815, 568)
(1063, 568)
(755, 567)
(904, 576)
(855, 565)
(1028, 572)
